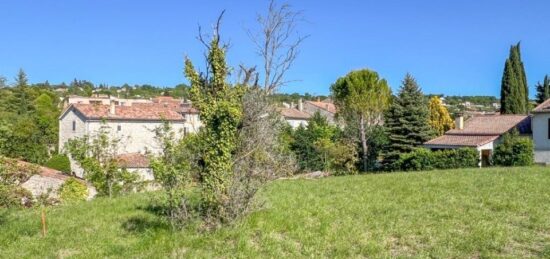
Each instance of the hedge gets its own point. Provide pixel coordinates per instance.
(425, 159)
(514, 151)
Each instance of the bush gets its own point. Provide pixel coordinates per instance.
(14, 196)
(514, 151)
(72, 191)
(60, 162)
(424, 159)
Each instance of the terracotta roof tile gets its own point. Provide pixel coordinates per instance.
(328, 106)
(492, 125)
(138, 111)
(292, 113)
(133, 160)
(461, 140)
(543, 107)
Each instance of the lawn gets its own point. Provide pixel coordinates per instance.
(457, 213)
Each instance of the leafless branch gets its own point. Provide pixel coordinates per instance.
(278, 43)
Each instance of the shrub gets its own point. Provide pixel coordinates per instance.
(72, 191)
(60, 162)
(514, 151)
(14, 196)
(424, 159)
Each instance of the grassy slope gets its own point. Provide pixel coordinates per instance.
(477, 212)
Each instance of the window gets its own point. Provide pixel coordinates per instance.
(74, 125)
(118, 128)
(548, 128)
(185, 131)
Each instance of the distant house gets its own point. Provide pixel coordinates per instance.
(541, 132)
(136, 163)
(133, 124)
(326, 108)
(295, 117)
(482, 133)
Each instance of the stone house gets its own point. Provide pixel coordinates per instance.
(482, 133)
(133, 124)
(326, 108)
(295, 117)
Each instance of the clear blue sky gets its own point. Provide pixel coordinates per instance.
(451, 47)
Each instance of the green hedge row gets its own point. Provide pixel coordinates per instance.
(425, 159)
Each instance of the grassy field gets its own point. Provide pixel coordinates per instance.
(457, 213)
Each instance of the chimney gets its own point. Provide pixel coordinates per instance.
(459, 122)
(112, 108)
(300, 105)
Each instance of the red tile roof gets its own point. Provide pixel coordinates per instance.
(292, 113)
(138, 111)
(328, 106)
(461, 140)
(481, 130)
(490, 125)
(543, 107)
(133, 160)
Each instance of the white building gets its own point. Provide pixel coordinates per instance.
(295, 117)
(133, 124)
(541, 132)
(482, 133)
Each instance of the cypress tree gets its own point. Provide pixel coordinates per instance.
(514, 95)
(407, 121)
(543, 90)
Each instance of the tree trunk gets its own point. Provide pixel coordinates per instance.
(363, 141)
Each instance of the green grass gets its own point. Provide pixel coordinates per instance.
(458, 213)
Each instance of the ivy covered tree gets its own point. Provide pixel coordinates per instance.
(440, 120)
(221, 112)
(543, 90)
(362, 97)
(514, 93)
(407, 121)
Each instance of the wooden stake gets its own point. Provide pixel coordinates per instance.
(44, 228)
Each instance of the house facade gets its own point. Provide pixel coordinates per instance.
(133, 124)
(482, 133)
(541, 132)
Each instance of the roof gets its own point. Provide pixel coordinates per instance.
(543, 107)
(133, 160)
(481, 130)
(327, 106)
(141, 111)
(461, 140)
(292, 113)
(45, 171)
(493, 125)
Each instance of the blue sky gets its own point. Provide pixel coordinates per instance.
(451, 47)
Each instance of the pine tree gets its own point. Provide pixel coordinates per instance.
(440, 120)
(543, 90)
(514, 94)
(407, 121)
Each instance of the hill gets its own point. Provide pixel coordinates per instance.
(456, 213)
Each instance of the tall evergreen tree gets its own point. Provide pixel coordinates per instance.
(407, 121)
(543, 90)
(514, 94)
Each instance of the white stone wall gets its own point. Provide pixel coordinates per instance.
(539, 125)
(295, 123)
(311, 109)
(135, 136)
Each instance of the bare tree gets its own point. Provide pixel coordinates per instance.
(277, 43)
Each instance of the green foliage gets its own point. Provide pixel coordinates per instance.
(514, 93)
(73, 190)
(514, 151)
(97, 155)
(60, 162)
(543, 90)
(407, 121)
(362, 96)
(221, 112)
(424, 159)
(319, 146)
